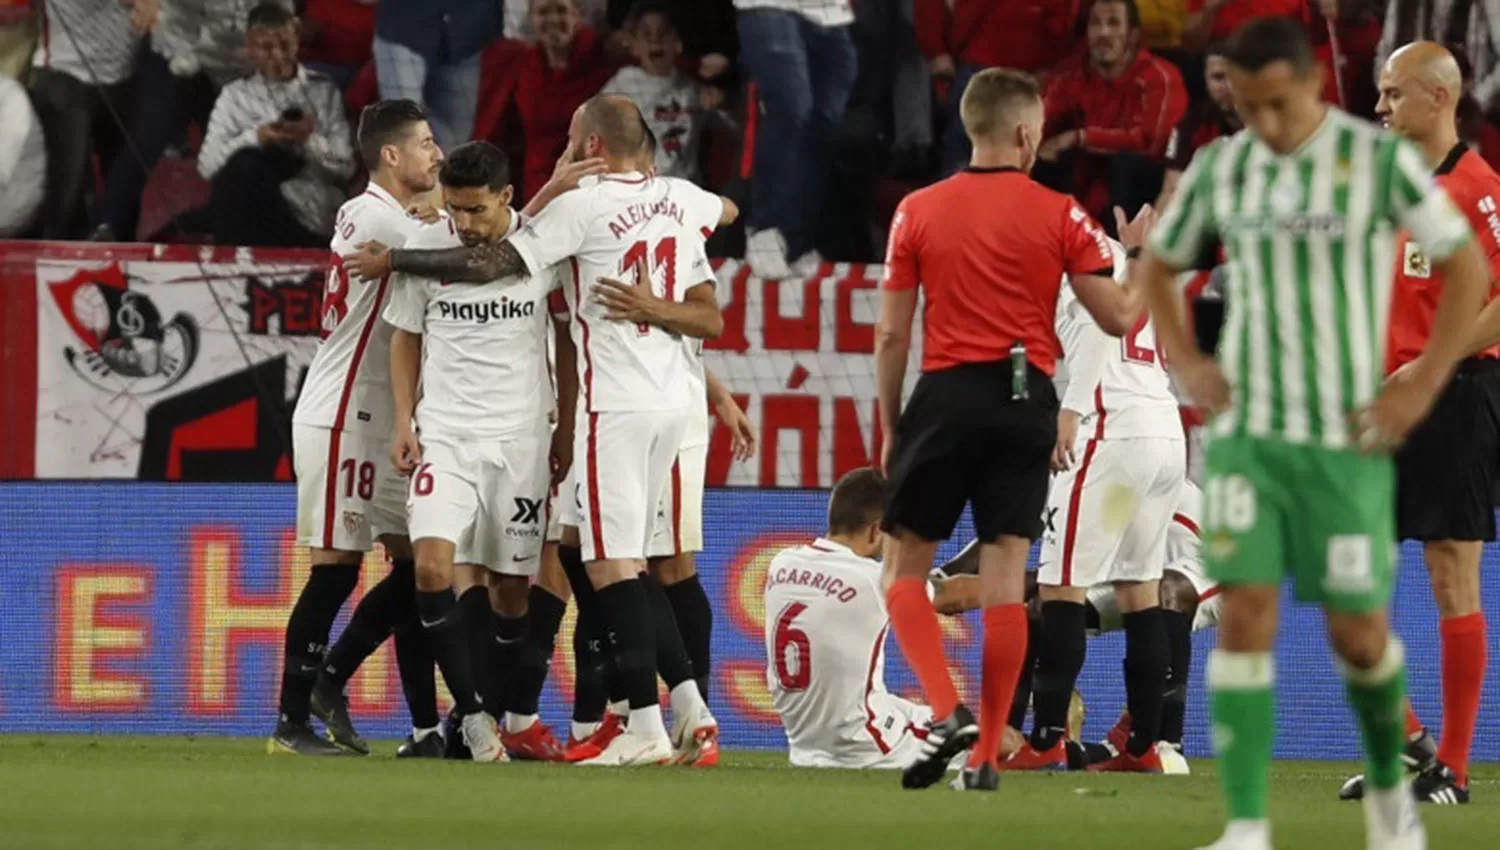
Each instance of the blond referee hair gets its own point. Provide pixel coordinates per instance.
(996, 102)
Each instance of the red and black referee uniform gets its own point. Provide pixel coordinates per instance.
(1445, 471)
(988, 248)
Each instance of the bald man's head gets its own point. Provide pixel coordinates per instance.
(608, 126)
(1420, 88)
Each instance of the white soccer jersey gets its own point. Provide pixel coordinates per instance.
(826, 627)
(348, 385)
(602, 229)
(484, 347)
(1119, 385)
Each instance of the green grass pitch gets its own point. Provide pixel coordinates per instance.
(114, 793)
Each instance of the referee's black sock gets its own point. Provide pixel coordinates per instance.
(1064, 645)
(1146, 663)
(544, 613)
(1174, 699)
(1022, 700)
(415, 664)
(672, 660)
(695, 621)
(632, 639)
(328, 585)
(442, 620)
(392, 600)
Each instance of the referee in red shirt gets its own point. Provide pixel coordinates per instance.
(989, 249)
(1445, 471)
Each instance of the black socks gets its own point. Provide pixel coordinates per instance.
(1146, 662)
(307, 630)
(442, 620)
(695, 622)
(1064, 646)
(390, 602)
(632, 638)
(672, 660)
(544, 616)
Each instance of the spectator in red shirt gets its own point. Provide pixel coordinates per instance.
(980, 425)
(1216, 20)
(960, 38)
(1110, 114)
(568, 65)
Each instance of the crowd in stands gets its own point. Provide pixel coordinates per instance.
(816, 115)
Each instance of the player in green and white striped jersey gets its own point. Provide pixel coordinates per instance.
(1305, 203)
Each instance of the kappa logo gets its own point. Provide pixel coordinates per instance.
(527, 510)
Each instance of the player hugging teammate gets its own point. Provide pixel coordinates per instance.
(471, 316)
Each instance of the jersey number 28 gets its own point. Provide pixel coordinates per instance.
(663, 258)
(789, 637)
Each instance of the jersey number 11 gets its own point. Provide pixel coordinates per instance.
(664, 258)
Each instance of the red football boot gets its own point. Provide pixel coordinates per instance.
(1127, 763)
(1119, 734)
(535, 743)
(593, 746)
(1027, 758)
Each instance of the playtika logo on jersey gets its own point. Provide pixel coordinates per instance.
(486, 311)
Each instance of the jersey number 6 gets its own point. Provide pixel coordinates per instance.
(787, 637)
(663, 258)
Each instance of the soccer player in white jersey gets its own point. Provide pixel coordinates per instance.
(633, 373)
(1120, 461)
(826, 627)
(478, 447)
(348, 495)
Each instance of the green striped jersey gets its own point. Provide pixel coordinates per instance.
(1309, 242)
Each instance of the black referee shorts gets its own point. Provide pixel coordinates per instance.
(1445, 472)
(962, 440)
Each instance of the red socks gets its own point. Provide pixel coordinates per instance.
(1005, 632)
(921, 640)
(1463, 664)
(1414, 725)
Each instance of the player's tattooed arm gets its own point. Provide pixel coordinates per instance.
(465, 264)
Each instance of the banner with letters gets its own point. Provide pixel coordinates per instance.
(151, 608)
(175, 363)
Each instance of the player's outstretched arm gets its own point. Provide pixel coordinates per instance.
(464, 264)
(697, 315)
(741, 430)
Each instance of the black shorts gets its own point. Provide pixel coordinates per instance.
(962, 440)
(1445, 473)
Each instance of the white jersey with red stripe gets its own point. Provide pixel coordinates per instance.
(1183, 556)
(348, 385)
(484, 347)
(826, 627)
(603, 229)
(1120, 386)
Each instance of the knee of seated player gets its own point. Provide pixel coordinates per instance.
(552, 578)
(608, 571)
(508, 595)
(1359, 639)
(679, 567)
(434, 563)
(1178, 594)
(398, 546)
(1247, 621)
(1453, 568)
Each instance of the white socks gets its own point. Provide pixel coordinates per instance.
(647, 723)
(515, 724)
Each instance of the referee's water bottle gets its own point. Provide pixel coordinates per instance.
(1018, 388)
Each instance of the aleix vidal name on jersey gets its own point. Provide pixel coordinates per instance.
(485, 311)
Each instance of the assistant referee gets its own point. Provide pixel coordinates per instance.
(989, 249)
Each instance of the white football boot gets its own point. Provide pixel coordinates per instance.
(629, 748)
(482, 738)
(1392, 821)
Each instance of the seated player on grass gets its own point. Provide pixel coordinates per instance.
(826, 628)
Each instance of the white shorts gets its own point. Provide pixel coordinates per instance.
(1107, 517)
(489, 498)
(1102, 598)
(348, 491)
(679, 516)
(891, 741)
(623, 464)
